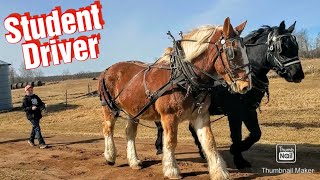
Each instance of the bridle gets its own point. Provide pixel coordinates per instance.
(230, 54)
(221, 47)
(274, 43)
(274, 50)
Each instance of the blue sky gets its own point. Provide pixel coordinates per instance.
(136, 30)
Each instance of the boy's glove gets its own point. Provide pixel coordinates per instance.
(34, 108)
(43, 107)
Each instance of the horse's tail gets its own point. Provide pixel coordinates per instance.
(105, 96)
(100, 81)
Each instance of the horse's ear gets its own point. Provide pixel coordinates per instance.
(282, 26)
(227, 28)
(291, 28)
(240, 27)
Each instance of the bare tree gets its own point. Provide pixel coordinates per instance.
(29, 75)
(317, 41)
(303, 41)
(26, 75)
(65, 74)
(13, 76)
(37, 73)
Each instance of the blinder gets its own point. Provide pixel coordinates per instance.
(230, 51)
(229, 47)
(275, 44)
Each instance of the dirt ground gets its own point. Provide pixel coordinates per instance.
(80, 157)
(75, 136)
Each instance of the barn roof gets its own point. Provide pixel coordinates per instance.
(3, 63)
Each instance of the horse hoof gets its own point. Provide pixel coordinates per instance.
(175, 177)
(246, 163)
(159, 152)
(241, 163)
(136, 167)
(110, 163)
(202, 155)
(239, 166)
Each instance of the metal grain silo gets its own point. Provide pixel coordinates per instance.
(5, 90)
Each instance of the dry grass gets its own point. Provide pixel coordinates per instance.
(310, 67)
(292, 115)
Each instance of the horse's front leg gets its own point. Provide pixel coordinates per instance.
(169, 163)
(235, 124)
(251, 122)
(131, 133)
(216, 165)
(252, 125)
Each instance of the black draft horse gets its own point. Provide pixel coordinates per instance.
(267, 48)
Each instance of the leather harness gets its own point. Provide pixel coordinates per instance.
(182, 75)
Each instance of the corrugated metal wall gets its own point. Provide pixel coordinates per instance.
(5, 90)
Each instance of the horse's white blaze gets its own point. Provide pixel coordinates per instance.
(216, 165)
(110, 149)
(169, 163)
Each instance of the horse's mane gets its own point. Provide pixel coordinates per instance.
(193, 49)
(166, 55)
(253, 36)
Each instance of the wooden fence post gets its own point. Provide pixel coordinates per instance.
(66, 97)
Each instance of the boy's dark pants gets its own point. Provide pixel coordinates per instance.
(36, 131)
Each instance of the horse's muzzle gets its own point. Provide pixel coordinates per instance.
(241, 86)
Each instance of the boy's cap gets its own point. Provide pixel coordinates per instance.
(27, 87)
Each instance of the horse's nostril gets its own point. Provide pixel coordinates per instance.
(245, 89)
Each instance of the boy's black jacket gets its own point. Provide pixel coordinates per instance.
(28, 102)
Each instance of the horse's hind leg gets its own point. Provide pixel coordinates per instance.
(158, 142)
(217, 167)
(108, 128)
(169, 163)
(131, 133)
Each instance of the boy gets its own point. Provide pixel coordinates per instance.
(33, 106)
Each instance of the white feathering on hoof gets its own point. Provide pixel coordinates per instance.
(110, 149)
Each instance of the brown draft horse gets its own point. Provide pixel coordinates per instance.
(125, 81)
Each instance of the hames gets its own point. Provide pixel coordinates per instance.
(81, 49)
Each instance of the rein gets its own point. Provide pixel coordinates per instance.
(212, 121)
(182, 74)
